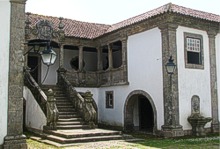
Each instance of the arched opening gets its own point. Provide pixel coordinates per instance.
(146, 115)
(140, 113)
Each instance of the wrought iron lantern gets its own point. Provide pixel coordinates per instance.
(48, 56)
(170, 66)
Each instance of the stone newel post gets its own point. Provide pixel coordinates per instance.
(52, 112)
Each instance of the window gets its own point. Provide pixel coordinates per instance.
(193, 50)
(109, 99)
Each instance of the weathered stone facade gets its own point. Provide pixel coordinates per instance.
(171, 125)
(15, 138)
(168, 24)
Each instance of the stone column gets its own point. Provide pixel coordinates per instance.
(61, 56)
(99, 63)
(124, 59)
(15, 138)
(213, 79)
(80, 58)
(171, 127)
(110, 60)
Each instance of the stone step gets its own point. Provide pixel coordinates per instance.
(69, 123)
(68, 145)
(58, 98)
(83, 139)
(68, 113)
(79, 133)
(66, 109)
(69, 119)
(69, 116)
(73, 126)
(63, 104)
(61, 98)
(63, 101)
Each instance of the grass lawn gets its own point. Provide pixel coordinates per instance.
(149, 142)
(186, 142)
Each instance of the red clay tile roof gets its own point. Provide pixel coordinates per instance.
(87, 30)
(163, 9)
(73, 28)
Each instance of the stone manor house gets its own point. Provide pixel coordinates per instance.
(115, 75)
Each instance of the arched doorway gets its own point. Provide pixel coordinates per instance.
(140, 112)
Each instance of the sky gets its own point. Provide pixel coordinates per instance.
(110, 11)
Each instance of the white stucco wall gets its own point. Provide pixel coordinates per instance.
(217, 41)
(34, 116)
(94, 91)
(193, 81)
(144, 73)
(4, 65)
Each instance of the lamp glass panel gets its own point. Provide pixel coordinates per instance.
(48, 58)
(53, 57)
(170, 69)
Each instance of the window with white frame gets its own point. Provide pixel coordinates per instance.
(193, 50)
(109, 99)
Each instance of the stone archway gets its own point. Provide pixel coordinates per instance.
(129, 108)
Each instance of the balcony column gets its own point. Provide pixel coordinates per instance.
(110, 60)
(61, 56)
(124, 59)
(81, 58)
(99, 63)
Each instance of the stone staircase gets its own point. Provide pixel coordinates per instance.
(68, 117)
(70, 126)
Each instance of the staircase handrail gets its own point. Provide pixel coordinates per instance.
(47, 103)
(38, 93)
(84, 105)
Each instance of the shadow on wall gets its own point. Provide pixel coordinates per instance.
(34, 116)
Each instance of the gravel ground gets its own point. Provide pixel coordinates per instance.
(109, 145)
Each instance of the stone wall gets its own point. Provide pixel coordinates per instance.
(15, 138)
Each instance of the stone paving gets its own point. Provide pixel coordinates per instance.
(116, 144)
